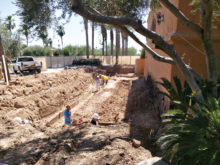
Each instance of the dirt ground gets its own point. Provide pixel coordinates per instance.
(126, 106)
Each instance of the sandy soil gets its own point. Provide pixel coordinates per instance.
(42, 99)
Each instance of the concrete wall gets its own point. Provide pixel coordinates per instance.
(61, 61)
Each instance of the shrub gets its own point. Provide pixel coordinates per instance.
(192, 138)
(92, 62)
(36, 51)
(179, 96)
(142, 54)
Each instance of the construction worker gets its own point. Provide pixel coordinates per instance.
(67, 116)
(106, 79)
(97, 80)
(102, 79)
(95, 119)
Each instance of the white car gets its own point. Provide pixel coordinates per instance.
(27, 63)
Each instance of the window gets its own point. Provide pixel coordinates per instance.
(26, 59)
(160, 18)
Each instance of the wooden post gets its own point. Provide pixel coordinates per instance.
(5, 68)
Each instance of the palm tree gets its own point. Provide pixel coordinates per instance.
(87, 37)
(93, 33)
(9, 21)
(26, 31)
(117, 45)
(112, 41)
(61, 33)
(126, 44)
(123, 43)
(42, 33)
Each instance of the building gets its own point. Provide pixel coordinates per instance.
(186, 42)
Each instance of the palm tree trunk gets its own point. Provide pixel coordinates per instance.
(106, 47)
(117, 45)
(112, 41)
(126, 44)
(93, 34)
(123, 43)
(62, 41)
(27, 40)
(87, 37)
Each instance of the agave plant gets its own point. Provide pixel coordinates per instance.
(180, 96)
(192, 139)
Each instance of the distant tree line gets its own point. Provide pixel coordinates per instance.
(68, 51)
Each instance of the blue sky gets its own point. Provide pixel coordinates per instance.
(75, 33)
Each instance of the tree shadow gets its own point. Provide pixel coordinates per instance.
(143, 113)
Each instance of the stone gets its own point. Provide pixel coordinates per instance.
(29, 85)
(18, 105)
(136, 143)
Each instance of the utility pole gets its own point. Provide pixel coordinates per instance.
(4, 63)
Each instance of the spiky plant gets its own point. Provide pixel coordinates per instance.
(180, 96)
(192, 139)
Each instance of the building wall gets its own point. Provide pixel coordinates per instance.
(187, 43)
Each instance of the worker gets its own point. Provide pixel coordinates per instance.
(67, 116)
(106, 79)
(95, 119)
(97, 80)
(102, 79)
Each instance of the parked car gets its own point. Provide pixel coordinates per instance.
(27, 63)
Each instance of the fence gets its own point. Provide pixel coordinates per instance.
(62, 61)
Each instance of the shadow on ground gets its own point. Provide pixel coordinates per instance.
(143, 113)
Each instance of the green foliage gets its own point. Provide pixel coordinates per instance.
(180, 96)
(11, 43)
(143, 54)
(92, 62)
(216, 8)
(37, 51)
(206, 88)
(192, 138)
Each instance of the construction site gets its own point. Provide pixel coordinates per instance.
(128, 108)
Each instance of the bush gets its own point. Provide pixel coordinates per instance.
(192, 131)
(36, 51)
(142, 54)
(193, 138)
(92, 62)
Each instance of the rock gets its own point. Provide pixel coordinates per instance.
(153, 161)
(136, 143)
(29, 85)
(18, 105)
(53, 141)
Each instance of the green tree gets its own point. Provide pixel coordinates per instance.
(9, 22)
(61, 33)
(26, 32)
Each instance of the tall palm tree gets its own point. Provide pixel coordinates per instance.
(9, 21)
(87, 37)
(25, 31)
(61, 33)
(123, 43)
(42, 33)
(117, 45)
(126, 44)
(93, 37)
(112, 41)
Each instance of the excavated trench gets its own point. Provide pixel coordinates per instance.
(42, 99)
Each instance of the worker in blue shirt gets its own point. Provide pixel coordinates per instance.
(67, 116)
